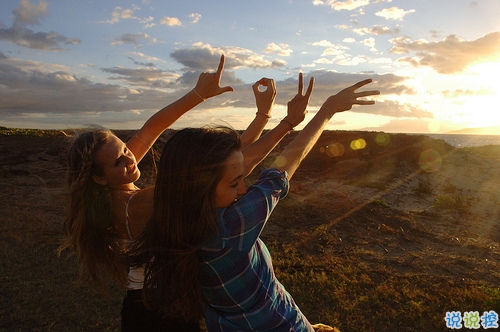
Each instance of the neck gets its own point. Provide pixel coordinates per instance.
(124, 187)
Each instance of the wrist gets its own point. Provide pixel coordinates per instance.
(328, 110)
(288, 124)
(262, 115)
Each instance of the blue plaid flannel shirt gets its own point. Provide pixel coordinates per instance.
(236, 273)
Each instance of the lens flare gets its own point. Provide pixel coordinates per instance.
(358, 144)
(280, 161)
(333, 150)
(383, 139)
(430, 161)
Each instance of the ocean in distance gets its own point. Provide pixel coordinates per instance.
(467, 140)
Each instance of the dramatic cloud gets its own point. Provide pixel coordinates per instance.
(203, 57)
(38, 88)
(28, 14)
(451, 55)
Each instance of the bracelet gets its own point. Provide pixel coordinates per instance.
(329, 112)
(196, 92)
(288, 123)
(263, 114)
(148, 144)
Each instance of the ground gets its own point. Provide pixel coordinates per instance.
(395, 205)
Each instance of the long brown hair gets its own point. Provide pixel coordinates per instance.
(88, 226)
(184, 217)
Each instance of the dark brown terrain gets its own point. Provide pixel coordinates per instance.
(387, 237)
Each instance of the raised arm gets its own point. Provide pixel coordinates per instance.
(264, 101)
(208, 86)
(297, 150)
(257, 151)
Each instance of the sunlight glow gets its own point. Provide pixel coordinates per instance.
(483, 107)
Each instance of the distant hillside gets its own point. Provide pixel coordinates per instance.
(493, 130)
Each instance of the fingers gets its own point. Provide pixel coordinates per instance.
(226, 89)
(267, 82)
(301, 84)
(364, 102)
(310, 88)
(221, 66)
(360, 84)
(367, 93)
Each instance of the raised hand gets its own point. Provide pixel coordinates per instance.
(208, 84)
(345, 99)
(264, 99)
(296, 111)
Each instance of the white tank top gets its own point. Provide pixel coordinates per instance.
(135, 274)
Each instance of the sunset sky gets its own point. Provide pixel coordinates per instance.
(73, 63)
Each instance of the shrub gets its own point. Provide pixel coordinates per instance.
(452, 202)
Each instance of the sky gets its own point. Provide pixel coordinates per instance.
(74, 63)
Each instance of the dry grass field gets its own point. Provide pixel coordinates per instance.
(379, 233)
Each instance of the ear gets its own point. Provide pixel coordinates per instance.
(99, 180)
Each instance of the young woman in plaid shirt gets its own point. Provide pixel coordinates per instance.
(201, 249)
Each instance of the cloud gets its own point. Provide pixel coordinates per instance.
(53, 94)
(342, 5)
(280, 49)
(369, 42)
(458, 93)
(148, 22)
(133, 38)
(119, 14)
(146, 77)
(327, 83)
(28, 14)
(144, 64)
(451, 55)
(323, 43)
(396, 109)
(146, 57)
(376, 30)
(394, 13)
(171, 21)
(202, 57)
(194, 17)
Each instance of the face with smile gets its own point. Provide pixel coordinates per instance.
(117, 163)
(231, 185)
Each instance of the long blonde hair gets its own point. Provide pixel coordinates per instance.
(88, 226)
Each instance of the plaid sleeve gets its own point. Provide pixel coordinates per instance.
(241, 223)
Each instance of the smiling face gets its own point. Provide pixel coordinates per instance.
(231, 185)
(118, 165)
